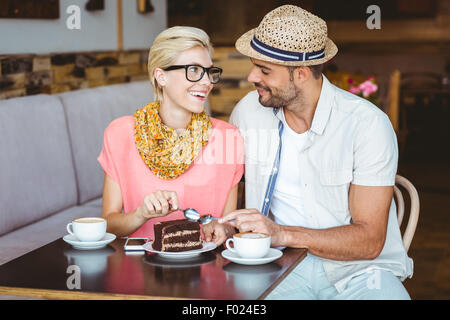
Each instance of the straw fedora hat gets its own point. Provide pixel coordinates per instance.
(290, 36)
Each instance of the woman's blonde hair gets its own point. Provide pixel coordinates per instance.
(168, 45)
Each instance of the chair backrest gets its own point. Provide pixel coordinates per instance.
(415, 208)
(393, 109)
(421, 80)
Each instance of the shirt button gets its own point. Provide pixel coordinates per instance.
(275, 170)
(266, 200)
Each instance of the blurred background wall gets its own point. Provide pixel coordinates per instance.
(98, 30)
(43, 55)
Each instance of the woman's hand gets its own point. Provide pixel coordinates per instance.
(217, 232)
(157, 204)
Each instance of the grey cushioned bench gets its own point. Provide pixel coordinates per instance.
(49, 172)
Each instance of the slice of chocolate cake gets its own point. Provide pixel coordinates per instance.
(176, 236)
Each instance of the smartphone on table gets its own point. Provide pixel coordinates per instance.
(135, 244)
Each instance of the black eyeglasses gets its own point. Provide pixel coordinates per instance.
(195, 72)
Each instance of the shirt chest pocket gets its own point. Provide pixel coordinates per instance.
(257, 170)
(332, 190)
(257, 173)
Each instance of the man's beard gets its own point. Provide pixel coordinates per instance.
(279, 98)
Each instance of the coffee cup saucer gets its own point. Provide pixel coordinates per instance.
(272, 255)
(89, 245)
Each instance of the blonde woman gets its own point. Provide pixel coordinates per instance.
(170, 154)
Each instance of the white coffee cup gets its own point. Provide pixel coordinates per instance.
(88, 229)
(249, 245)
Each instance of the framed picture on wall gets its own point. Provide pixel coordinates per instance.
(29, 9)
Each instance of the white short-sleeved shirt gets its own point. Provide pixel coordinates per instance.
(350, 141)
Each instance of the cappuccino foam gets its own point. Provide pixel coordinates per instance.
(89, 220)
(252, 235)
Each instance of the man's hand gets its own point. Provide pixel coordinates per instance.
(251, 220)
(217, 232)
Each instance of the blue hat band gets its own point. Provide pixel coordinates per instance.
(284, 55)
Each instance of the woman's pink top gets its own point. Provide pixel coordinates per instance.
(204, 185)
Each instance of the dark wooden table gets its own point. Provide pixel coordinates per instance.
(110, 273)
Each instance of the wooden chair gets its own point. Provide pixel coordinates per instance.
(420, 108)
(421, 80)
(415, 208)
(241, 194)
(408, 235)
(393, 110)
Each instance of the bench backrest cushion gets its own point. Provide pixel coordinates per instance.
(37, 177)
(89, 112)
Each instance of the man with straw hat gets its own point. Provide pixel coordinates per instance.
(320, 167)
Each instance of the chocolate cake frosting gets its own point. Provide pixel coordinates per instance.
(176, 236)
